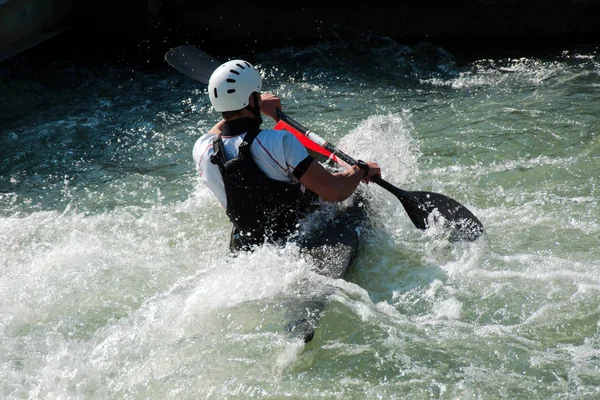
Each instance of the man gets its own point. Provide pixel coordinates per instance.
(265, 179)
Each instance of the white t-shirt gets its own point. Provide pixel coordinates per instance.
(276, 152)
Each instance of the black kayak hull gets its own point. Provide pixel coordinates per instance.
(330, 239)
(332, 250)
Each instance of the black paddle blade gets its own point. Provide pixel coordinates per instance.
(192, 62)
(421, 206)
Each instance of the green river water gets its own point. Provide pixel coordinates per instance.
(113, 271)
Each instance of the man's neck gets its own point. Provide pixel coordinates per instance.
(243, 113)
(239, 126)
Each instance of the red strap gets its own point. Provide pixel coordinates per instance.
(309, 144)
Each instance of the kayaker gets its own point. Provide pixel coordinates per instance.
(266, 179)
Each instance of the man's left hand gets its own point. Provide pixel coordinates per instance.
(269, 103)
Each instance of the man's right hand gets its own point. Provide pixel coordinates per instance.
(374, 170)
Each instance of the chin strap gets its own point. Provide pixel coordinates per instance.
(255, 110)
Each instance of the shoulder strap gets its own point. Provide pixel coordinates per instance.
(218, 156)
(248, 140)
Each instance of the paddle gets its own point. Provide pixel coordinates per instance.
(423, 208)
(419, 206)
(283, 124)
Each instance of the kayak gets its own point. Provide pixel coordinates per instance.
(329, 238)
(332, 248)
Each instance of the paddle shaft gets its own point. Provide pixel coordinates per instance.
(420, 206)
(329, 147)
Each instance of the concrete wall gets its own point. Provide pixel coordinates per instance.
(147, 28)
(310, 20)
(24, 23)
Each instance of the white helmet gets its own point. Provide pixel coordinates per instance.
(231, 84)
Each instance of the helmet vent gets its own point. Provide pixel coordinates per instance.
(231, 80)
(216, 94)
(230, 91)
(233, 71)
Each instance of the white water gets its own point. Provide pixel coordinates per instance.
(113, 270)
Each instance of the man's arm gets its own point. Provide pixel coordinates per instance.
(336, 186)
(328, 186)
